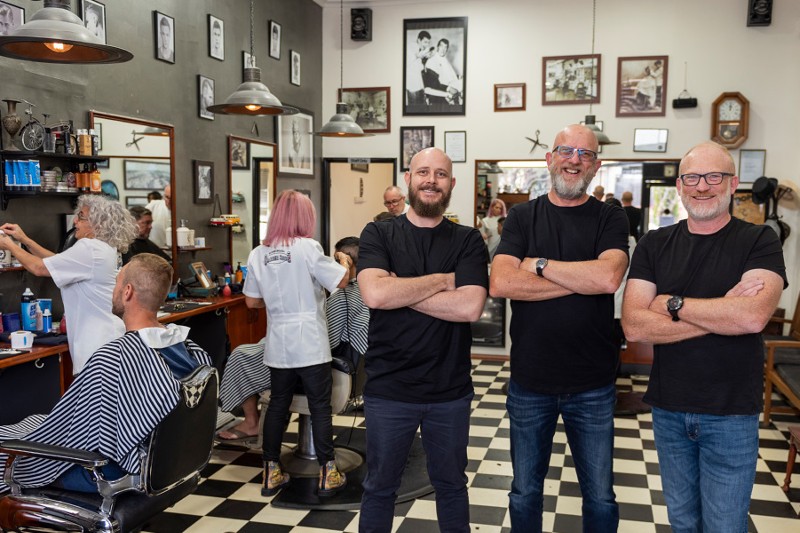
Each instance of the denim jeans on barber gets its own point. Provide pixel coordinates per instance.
(317, 388)
(589, 423)
(708, 467)
(391, 427)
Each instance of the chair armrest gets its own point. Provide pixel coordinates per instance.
(343, 365)
(781, 344)
(780, 319)
(77, 456)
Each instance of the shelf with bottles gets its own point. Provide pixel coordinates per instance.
(77, 178)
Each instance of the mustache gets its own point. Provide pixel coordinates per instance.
(433, 188)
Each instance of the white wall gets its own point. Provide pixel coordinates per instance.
(507, 40)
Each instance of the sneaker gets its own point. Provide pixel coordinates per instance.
(274, 478)
(331, 480)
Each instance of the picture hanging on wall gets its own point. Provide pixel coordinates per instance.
(14, 17)
(94, 18)
(144, 175)
(216, 38)
(412, 140)
(435, 66)
(247, 60)
(164, 32)
(274, 40)
(650, 140)
(370, 107)
(642, 86)
(295, 144)
(240, 154)
(571, 80)
(509, 97)
(205, 88)
(294, 74)
(203, 182)
(131, 201)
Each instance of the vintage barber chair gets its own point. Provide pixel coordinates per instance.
(170, 471)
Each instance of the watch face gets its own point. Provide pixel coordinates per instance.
(729, 110)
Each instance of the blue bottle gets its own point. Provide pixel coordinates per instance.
(28, 309)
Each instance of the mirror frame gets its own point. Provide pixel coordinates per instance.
(254, 188)
(171, 130)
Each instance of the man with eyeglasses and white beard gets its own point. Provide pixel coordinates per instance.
(561, 258)
(701, 291)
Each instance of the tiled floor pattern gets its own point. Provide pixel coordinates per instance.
(229, 500)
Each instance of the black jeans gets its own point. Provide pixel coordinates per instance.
(316, 381)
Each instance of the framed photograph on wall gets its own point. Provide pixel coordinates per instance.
(455, 145)
(294, 68)
(571, 80)
(295, 144)
(412, 140)
(240, 154)
(141, 175)
(14, 17)
(435, 66)
(216, 38)
(751, 165)
(164, 33)
(203, 182)
(274, 40)
(509, 97)
(94, 18)
(205, 91)
(650, 140)
(642, 86)
(247, 60)
(131, 201)
(370, 107)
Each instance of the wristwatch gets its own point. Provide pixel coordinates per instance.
(540, 264)
(674, 304)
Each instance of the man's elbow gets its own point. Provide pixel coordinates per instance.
(632, 332)
(496, 289)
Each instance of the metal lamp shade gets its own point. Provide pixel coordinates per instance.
(55, 34)
(252, 98)
(602, 138)
(342, 125)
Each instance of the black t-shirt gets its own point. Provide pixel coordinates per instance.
(634, 220)
(141, 246)
(712, 374)
(564, 345)
(413, 357)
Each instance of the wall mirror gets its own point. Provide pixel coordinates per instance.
(140, 160)
(251, 180)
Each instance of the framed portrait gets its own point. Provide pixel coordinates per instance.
(94, 18)
(642, 86)
(131, 201)
(509, 97)
(435, 66)
(650, 140)
(294, 68)
(571, 80)
(412, 140)
(164, 33)
(240, 154)
(295, 144)
(216, 38)
(361, 24)
(751, 165)
(205, 96)
(203, 182)
(274, 40)
(455, 145)
(143, 175)
(370, 107)
(11, 17)
(247, 60)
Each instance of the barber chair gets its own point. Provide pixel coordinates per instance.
(171, 465)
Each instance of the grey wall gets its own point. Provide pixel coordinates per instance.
(155, 90)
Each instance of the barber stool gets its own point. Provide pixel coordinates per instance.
(794, 444)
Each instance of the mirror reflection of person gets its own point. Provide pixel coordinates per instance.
(162, 218)
(142, 243)
(165, 46)
(93, 19)
(217, 49)
(6, 20)
(298, 158)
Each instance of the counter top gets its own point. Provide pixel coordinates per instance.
(212, 303)
(37, 352)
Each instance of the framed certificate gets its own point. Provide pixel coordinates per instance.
(455, 145)
(751, 165)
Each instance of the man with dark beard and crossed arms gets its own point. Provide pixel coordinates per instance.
(424, 279)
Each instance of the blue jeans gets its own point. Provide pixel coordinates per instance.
(391, 427)
(708, 467)
(589, 422)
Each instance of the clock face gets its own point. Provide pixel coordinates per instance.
(730, 110)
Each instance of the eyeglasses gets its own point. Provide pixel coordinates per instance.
(583, 154)
(392, 203)
(712, 178)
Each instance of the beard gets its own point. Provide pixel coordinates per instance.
(117, 308)
(423, 209)
(707, 209)
(566, 190)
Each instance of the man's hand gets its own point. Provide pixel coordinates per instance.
(746, 287)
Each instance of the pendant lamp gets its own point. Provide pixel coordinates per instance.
(252, 97)
(55, 34)
(589, 121)
(341, 124)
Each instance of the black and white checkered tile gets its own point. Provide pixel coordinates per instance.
(229, 500)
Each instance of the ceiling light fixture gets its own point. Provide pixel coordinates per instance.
(589, 121)
(252, 97)
(55, 34)
(341, 124)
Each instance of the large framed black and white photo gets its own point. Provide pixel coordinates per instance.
(294, 68)
(203, 182)
(240, 154)
(13, 17)
(435, 66)
(296, 144)
(642, 86)
(412, 140)
(571, 80)
(94, 18)
(205, 89)
(274, 40)
(216, 38)
(164, 33)
(370, 107)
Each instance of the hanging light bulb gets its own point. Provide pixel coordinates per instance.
(341, 124)
(55, 34)
(589, 121)
(252, 97)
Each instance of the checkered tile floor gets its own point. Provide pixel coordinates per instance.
(229, 500)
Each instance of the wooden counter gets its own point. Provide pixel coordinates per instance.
(31, 382)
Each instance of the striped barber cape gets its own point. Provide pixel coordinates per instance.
(123, 392)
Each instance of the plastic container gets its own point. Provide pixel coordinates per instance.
(28, 309)
(47, 321)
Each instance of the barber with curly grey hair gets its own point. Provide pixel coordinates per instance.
(85, 273)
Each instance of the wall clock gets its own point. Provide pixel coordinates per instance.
(730, 117)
